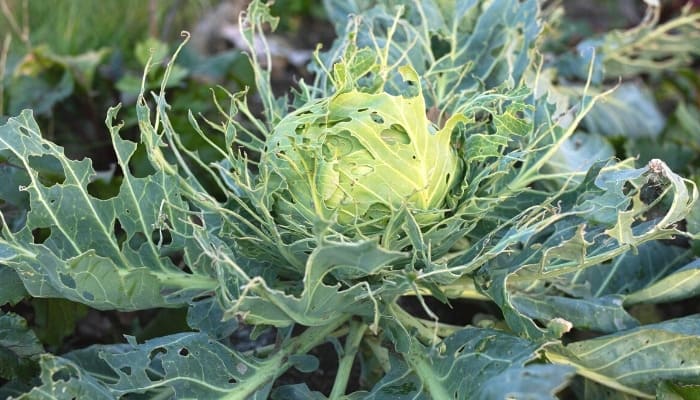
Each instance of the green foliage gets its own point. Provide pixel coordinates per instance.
(264, 234)
(19, 348)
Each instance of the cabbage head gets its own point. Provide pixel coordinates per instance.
(357, 158)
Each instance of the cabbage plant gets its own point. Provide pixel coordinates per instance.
(357, 158)
(433, 158)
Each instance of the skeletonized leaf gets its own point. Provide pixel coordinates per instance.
(482, 44)
(80, 253)
(649, 47)
(318, 303)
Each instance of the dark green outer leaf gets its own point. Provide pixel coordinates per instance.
(604, 314)
(681, 284)
(296, 392)
(629, 111)
(471, 363)
(19, 347)
(579, 153)
(593, 298)
(55, 319)
(12, 289)
(63, 379)
(207, 316)
(635, 361)
(632, 271)
(40, 94)
(192, 365)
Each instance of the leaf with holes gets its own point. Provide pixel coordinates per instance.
(73, 243)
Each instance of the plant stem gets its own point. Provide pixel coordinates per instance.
(463, 288)
(424, 333)
(276, 365)
(352, 342)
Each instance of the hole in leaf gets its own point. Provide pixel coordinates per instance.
(152, 375)
(184, 352)
(104, 189)
(88, 296)
(440, 46)
(396, 134)
(156, 356)
(161, 237)
(126, 370)
(119, 232)
(139, 165)
(332, 123)
(60, 376)
(48, 168)
(156, 353)
(67, 280)
(177, 258)
(41, 234)
(196, 220)
(376, 117)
